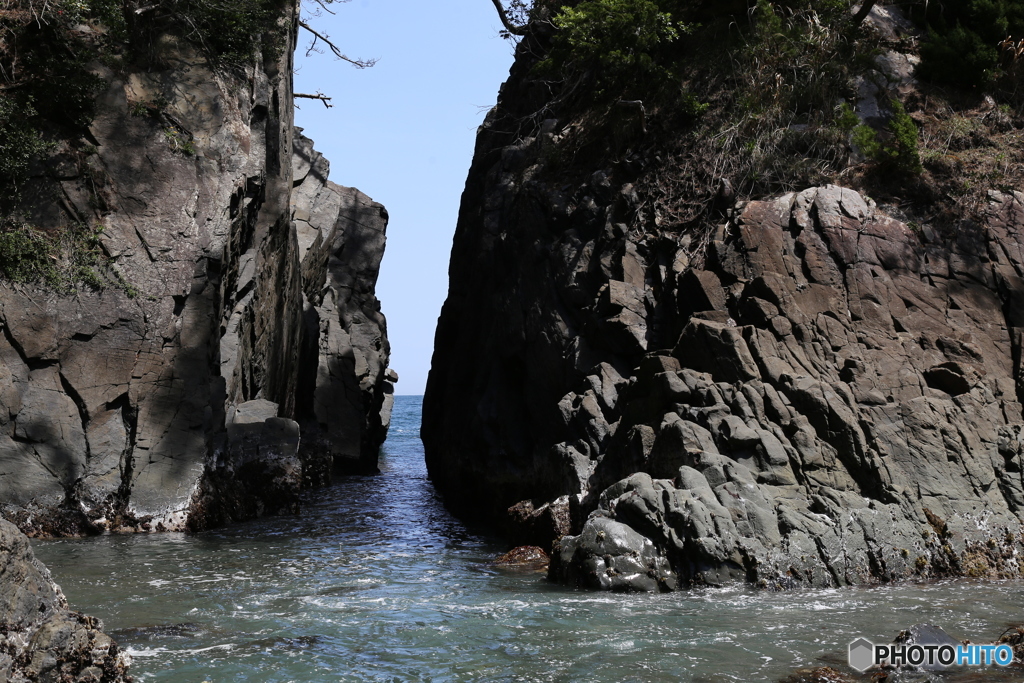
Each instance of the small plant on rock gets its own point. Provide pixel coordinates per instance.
(58, 259)
(900, 152)
(179, 142)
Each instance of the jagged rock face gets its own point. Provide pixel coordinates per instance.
(179, 406)
(816, 394)
(348, 390)
(40, 638)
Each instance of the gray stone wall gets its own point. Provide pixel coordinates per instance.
(810, 392)
(123, 408)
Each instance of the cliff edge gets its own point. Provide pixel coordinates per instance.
(802, 369)
(190, 332)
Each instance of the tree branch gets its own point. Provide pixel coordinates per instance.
(358, 63)
(863, 12)
(319, 96)
(509, 26)
(325, 8)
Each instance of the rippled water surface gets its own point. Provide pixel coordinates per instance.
(375, 581)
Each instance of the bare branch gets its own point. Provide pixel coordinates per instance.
(324, 6)
(319, 96)
(358, 63)
(509, 26)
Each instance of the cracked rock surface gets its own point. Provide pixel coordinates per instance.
(817, 394)
(247, 356)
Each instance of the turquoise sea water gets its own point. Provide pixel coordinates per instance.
(375, 581)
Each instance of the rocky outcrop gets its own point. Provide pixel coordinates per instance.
(348, 391)
(175, 400)
(40, 638)
(812, 392)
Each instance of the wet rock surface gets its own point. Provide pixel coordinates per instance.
(609, 555)
(40, 638)
(812, 393)
(249, 279)
(525, 558)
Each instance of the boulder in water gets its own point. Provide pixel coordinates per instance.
(524, 558)
(609, 555)
(40, 638)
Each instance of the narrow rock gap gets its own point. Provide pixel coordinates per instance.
(14, 343)
(129, 418)
(83, 412)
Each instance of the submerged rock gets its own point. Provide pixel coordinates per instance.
(40, 638)
(524, 557)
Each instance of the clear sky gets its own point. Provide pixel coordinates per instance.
(403, 133)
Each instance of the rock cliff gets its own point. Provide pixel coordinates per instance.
(808, 391)
(40, 638)
(235, 352)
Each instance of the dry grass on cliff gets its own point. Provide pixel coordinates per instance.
(969, 145)
(757, 106)
(770, 119)
(968, 142)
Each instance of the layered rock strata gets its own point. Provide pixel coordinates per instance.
(815, 393)
(40, 638)
(245, 354)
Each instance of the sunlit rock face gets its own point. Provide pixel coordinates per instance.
(246, 309)
(812, 392)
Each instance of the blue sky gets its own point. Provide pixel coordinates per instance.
(403, 133)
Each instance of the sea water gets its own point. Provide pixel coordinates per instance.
(375, 581)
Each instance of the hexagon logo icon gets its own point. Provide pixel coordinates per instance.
(861, 654)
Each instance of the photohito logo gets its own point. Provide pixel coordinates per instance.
(863, 654)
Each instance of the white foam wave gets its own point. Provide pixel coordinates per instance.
(161, 651)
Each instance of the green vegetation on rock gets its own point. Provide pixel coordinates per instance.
(230, 30)
(900, 151)
(962, 44)
(752, 95)
(622, 41)
(59, 259)
(20, 141)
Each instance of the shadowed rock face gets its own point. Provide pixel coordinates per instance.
(818, 395)
(181, 406)
(40, 638)
(347, 393)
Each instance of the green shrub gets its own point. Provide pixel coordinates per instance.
(20, 141)
(622, 42)
(231, 29)
(58, 259)
(961, 47)
(901, 151)
(846, 120)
